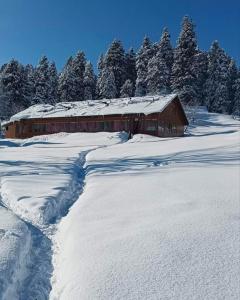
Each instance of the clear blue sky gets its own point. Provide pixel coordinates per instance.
(58, 28)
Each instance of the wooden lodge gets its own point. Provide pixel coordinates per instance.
(161, 116)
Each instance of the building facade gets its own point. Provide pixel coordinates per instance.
(168, 122)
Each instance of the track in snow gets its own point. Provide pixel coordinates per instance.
(37, 284)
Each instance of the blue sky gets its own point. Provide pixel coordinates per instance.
(58, 28)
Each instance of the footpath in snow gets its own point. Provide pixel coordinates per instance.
(158, 219)
(40, 178)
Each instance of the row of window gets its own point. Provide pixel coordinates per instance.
(84, 126)
(150, 126)
(154, 126)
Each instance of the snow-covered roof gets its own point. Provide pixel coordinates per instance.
(145, 105)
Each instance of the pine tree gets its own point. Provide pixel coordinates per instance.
(66, 83)
(159, 67)
(236, 101)
(127, 89)
(53, 84)
(158, 77)
(165, 49)
(99, 77)
(107, 86)
(42, 83)
(131, 73)
(29, 84)
(89, 82)
(155, 48)
(115, 60)
(78, 69)
(11, 87)
(217, 89)
(143, 56)
(233, 75)
(199, 69)
(182, 76)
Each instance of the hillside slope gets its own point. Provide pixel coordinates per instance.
(158, 219)
(94, 216)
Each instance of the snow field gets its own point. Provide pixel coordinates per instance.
(85, 216)
(40, 179)
(158, 219)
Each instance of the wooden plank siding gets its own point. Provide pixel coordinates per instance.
(170, 122)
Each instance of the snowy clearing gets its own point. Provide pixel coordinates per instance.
(94, 216)
(40, 179)
(158, 219)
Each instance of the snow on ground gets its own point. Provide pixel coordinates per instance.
(150, 218)
(40, 176)
(39, 180)
(158, 219)
(15, 243)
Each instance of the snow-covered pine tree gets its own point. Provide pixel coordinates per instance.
(29, 84)
(5, 109)
(199, 69)
(11, 87)
(99, 76)
(217, 84)
(107, 86)
(53, 84)
(127, 89)
(143, 56)
(131, 72)
(155, 47)
(115, 60)
(89, 82)
(2, 68)
(165, 48)
(158, 77)
(183, 78)
(233, 75)
(160, 66)
(236, 101)
(78, 69)
(65, 83)
(42, 83)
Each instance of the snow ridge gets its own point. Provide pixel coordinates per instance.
(14, 235)
(30, 274)
(38, 284)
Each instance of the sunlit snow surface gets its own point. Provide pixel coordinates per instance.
(150, 218)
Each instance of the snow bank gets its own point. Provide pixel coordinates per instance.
(158, 219)
(15, 243)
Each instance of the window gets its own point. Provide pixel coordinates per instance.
(161, 128)
(125, 125)
(17, 128)
(39, 127)
(150, 125)
(100, 126)
(108, 125)
(25, 129)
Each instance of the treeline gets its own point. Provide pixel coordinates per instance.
(204, 78)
